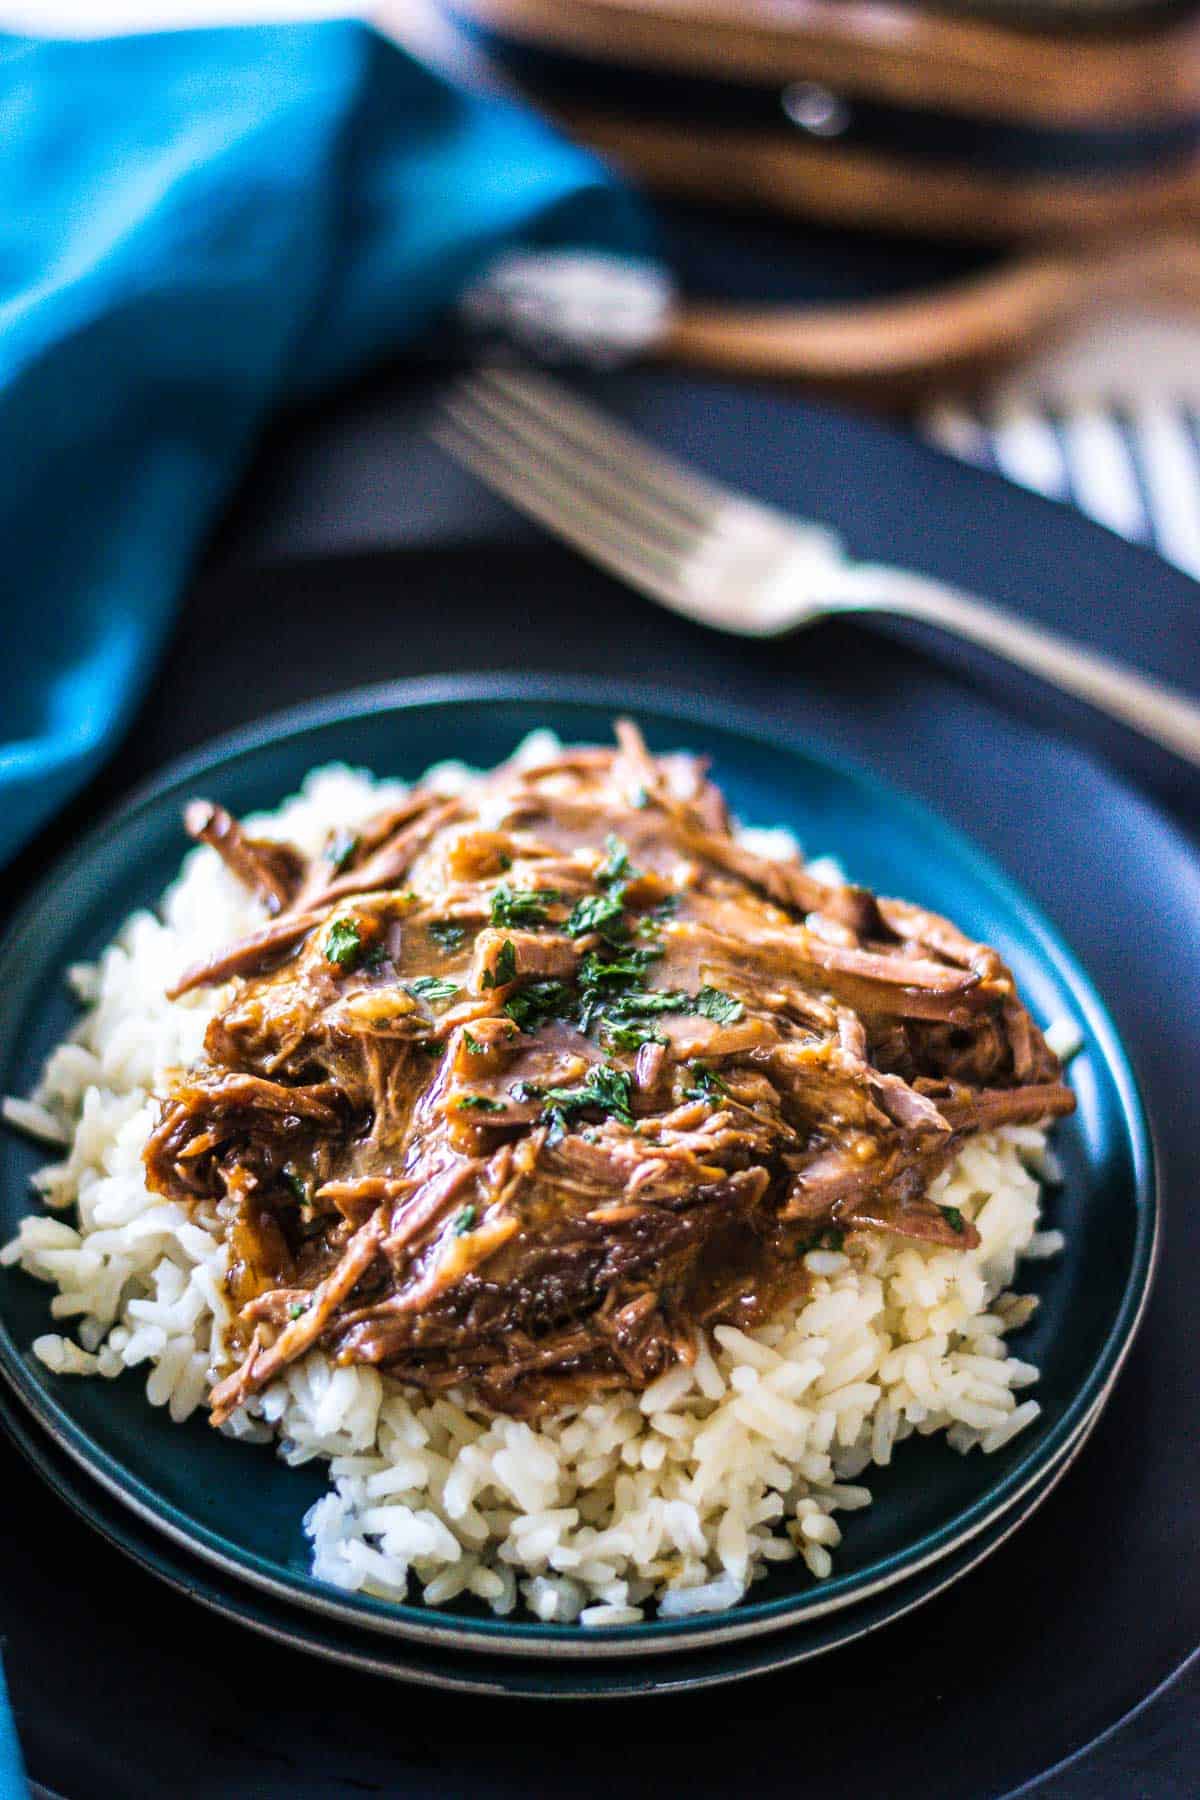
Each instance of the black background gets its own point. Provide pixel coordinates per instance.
(354, 554)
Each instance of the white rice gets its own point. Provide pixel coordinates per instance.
(683, 1495)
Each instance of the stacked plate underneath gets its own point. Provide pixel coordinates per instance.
(222, 1520)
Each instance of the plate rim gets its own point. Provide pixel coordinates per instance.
(40, 1454)
(664, 705)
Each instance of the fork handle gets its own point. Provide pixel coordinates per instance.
(1151, 707)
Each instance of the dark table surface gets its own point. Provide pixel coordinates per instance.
(352, 555)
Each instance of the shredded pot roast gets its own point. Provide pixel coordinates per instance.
(522, 1088)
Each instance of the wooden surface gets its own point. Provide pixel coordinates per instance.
(1090, 241)
(886, 48)
(843, 186)
(894, 351)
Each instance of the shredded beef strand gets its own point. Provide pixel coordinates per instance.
(250, 956)
(300, 1334)
(578, 1076)
(271, 870)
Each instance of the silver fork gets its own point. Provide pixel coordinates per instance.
(729, 561)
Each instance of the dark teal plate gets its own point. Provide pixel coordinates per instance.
(538, 1678)
(195, 1485)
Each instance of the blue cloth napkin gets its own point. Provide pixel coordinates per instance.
(12, 1775)
(195, 227)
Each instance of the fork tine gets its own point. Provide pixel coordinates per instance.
(558, 505)
(589, 472)
(666, 479)
(566, 487)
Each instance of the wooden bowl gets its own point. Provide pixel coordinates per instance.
(1079, 149)
(874, 112)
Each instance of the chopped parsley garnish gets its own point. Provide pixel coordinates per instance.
(953, 1218)
(478, 1103)
(616, 866)
(343, 945)
(505, 969)
(374, 956)
(618, 1036)
(598, 912)
(294, 1180)
(522, 906)
(706, 1084)
(717, 1005)
(448, 934)
(473, 1044)
(621, 971)
(610, 988)
(465, 1220)
(650, 924)
(603, 979)
(606, 1088)
(641, 1003)
(613, 990)
(297, 1309)
(431, 987)
(340, 849)
(538, 1002)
